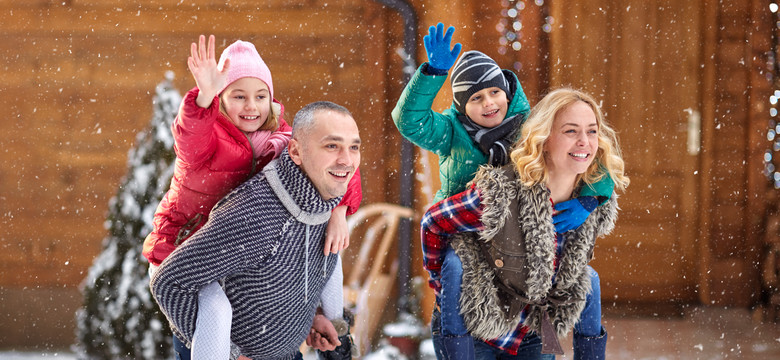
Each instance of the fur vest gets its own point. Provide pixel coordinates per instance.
(509, 264)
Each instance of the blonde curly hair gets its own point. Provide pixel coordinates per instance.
(528, 152)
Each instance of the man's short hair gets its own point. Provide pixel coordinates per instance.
(304, 119)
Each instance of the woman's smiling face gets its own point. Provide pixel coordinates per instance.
(573, 140)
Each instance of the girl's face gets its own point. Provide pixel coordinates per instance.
(247, 103)
(573, 140)
(487, 107)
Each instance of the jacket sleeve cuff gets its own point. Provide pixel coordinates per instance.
(427, 69)
(354, 194)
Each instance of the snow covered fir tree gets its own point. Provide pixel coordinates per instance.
(119, 319)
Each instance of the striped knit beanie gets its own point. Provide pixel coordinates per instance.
(245, 62)
(473, 72)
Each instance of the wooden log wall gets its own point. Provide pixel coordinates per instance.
(78, 80)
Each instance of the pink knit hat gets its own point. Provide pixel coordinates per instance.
(245, 62)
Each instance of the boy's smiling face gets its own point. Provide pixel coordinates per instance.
(487, 107)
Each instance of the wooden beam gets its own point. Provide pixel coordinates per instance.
(708, 102)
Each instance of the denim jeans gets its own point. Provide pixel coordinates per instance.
(590, 318)
(451, 277)
(436, 335)
(530, 349)
(181, 351)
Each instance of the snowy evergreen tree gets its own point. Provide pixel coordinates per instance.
(119, 318)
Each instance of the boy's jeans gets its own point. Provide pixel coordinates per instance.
(451, 278)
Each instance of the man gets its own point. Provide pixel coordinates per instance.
(265, 240)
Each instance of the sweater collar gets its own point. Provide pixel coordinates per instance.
(297, 192)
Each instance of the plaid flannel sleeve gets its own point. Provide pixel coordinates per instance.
(459, 213)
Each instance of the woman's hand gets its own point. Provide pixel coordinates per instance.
(437, 45)
(204, 68)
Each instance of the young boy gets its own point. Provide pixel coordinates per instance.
(488, 109)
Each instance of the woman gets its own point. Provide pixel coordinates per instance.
(520, 277)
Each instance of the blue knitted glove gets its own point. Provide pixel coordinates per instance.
(437, 45)
(573, 213)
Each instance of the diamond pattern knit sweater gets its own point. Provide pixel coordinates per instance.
(265, 240)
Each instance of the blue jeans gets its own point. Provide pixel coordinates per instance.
(452, 323)
(181, 351)
(530, 349)
(590, 318)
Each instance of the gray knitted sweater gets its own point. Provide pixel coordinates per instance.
(265, 241)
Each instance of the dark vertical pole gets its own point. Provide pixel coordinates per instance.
(407, 153)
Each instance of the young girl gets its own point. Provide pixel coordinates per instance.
(228, 128)
(523, 279)
(488, 109)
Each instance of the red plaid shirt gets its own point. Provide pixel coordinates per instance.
(462, 213)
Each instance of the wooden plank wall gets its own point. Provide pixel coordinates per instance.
(78, 80)
(736, 92)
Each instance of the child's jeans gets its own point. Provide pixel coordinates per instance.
(452, 323)
(180, 351)
(589, 323)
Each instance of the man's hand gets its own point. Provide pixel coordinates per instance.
(323, 335)
(203, 65)
(337, 232)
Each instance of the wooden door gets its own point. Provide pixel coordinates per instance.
(642, 59)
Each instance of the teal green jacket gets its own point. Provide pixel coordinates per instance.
(444, 135)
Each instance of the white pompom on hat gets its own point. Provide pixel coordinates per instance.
(245, 61)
